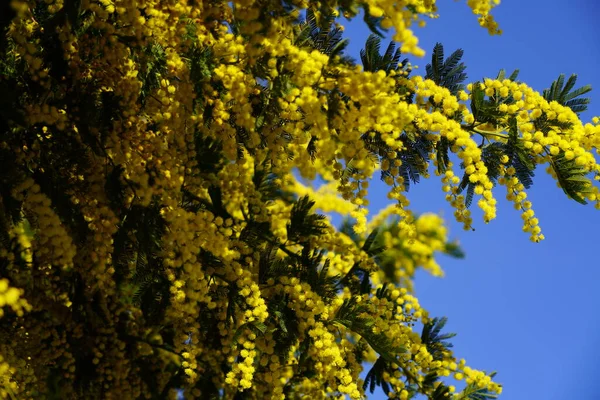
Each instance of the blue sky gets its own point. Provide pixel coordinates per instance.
(528, 311)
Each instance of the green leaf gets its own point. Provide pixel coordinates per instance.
(370, 240)
(373, 61)
(519, 157)
(437, 62)
(571, 177)
(477, 99)
(442, 392)
(442, 157)
(454, 250)
(370, 56)
(216, 197)
(375, 378)
(435, 341)
(304, 224)
(351, 315)
(449, 73)
(414, 157)
(514, 75)
(259, 326)
(474, 392)
(322, 35)
(281, 321)
(566, 97)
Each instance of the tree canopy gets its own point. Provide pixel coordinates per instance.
(157, 233)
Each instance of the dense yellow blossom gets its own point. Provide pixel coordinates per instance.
(155, 233)
(11, 297)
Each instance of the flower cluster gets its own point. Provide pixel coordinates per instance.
(12, 297)
(153, 214)
(54, 246)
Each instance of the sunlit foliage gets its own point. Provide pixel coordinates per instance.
(162, 164)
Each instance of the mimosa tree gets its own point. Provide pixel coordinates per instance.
(156, 237)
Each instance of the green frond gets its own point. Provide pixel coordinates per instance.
(434, 69)
(368, 246)
(572, 178)
(466, 184)
(453, 250)
(435, 341)
(257, 327)
(353, 316)
(492, 155)
(564, 96)
(373, 61)
(357, 279)
(484, 110)
(556, 87)
(474, 392)
(415, 158)
(519, 157)
(201, 64)
(449, 73)
(322, 35)
(216, 202)
(442, 148)
(370, 56)
(311, 268)
(577, 92)
(568, 86)
(153, 66)
(374, 377)
(391, 56)
(265, 182)
(442, 392)
(303, 223)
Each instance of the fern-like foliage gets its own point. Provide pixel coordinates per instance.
(355, 317)
(373, 61)
(572, 178)
(265, 182)
(436, 341)
(415, 161)
(474, 392)
(313, 270)
(201, 65)
(303, 223)
(484, 110)
(322, 35)
(512, 77)
(564, 94)
(358, 278)
(137, 245)
(448, 73)
(375, 378)
(153, 61)
(518, 157)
